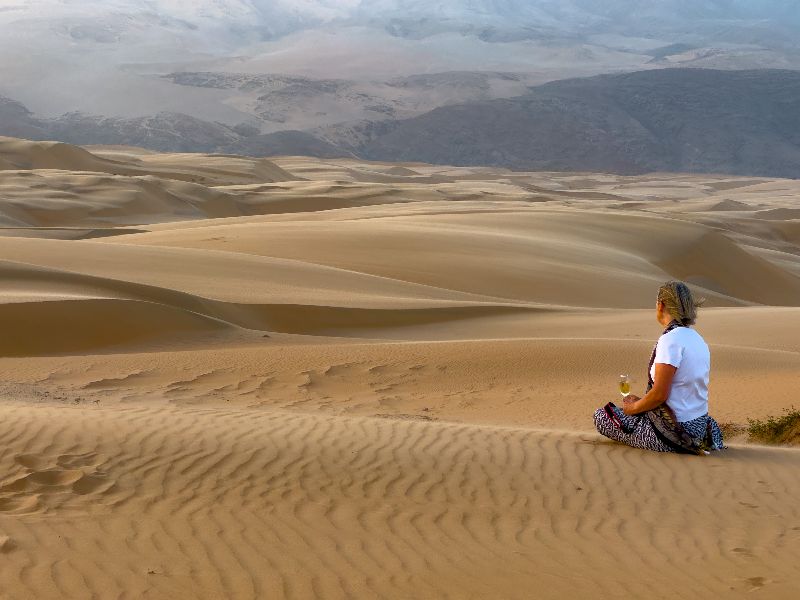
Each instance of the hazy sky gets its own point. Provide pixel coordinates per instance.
(58, 55)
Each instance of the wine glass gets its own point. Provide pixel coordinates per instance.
(624, 385)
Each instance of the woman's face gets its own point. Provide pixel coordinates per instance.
(660, 312)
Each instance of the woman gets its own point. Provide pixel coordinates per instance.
(673, 415)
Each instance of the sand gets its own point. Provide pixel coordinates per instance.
(225, 377)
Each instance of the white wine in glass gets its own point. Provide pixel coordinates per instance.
(624, 385)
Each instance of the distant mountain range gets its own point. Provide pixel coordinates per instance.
(680, 120)
(133, 58)
(167, 131)
(502, 20)
(280, 102)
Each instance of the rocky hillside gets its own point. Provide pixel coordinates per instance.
(677, 120)
(278, 102)
(683, 120)
(169, 132)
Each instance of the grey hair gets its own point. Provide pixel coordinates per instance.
(679, 302)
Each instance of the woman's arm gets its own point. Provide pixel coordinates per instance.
(662, 384)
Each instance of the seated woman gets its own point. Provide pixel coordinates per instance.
(673, 415)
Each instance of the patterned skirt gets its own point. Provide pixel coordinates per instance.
(642, 434)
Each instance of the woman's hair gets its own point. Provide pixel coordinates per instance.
(679, 302)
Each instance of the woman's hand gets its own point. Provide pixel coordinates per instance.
(633, 405)
(629, 404)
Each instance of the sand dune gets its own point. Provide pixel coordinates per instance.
(549, 256)
(300, 506)
(22, 154)
(55, 326)
(226, 377)
(730, 205)
(65, 199)
(212, 169)
(790, 230)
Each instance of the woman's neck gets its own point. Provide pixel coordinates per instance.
(665, 319)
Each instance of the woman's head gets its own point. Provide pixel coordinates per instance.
(675, 299)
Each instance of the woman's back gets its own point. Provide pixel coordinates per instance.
(687, 351)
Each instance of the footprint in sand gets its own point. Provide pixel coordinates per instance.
(31, 461)
(6, 544)
(18, 504)
(92, 484)
(77, 461)
(47, 479)
(756, 583)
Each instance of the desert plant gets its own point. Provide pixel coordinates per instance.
(784, 429)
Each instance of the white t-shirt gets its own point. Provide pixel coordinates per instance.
(686, 350)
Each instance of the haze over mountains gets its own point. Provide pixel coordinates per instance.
(335, 77)
(682, 120)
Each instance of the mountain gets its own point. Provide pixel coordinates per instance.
(677, 120)
(683, 120)
(86, 20)
(505, 20)
(17, 121)
(110, 58)
(166, 131)
(377, 77)
(280, 102)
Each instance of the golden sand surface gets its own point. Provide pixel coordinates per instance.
(225, 377)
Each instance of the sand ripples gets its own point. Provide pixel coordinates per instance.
(231, 503)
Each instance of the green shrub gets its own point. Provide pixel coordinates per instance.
(784, 429)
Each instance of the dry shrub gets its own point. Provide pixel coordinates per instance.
(784, 429)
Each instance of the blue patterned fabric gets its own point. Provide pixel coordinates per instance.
(641, 433)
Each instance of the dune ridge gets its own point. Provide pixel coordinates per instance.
(18, 154)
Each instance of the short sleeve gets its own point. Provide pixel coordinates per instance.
(669, 351)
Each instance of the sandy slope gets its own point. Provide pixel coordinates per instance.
(230, 377)
(146, 502)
